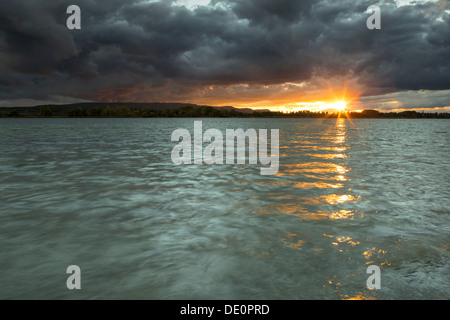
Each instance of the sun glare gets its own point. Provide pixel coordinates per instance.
(340, 105)
(318, 106)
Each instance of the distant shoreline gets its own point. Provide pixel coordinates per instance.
(440, 116)
(179, 110)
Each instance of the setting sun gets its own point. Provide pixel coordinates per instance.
(340, 105)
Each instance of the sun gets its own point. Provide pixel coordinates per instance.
(340, 105)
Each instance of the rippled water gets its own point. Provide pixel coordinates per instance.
(103, 194)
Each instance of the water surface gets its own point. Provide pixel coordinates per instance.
(104, 194)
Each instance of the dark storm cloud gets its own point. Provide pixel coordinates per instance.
(271, 13)
(158, 50)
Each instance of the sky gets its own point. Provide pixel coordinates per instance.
(276, 54)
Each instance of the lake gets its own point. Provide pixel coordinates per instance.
(103, 194)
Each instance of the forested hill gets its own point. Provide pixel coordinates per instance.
(105, 109)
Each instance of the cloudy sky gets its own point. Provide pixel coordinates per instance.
(245, 53)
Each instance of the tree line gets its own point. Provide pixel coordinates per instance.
(204, 112)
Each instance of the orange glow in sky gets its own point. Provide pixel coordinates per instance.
(317, 106)
(329, 98)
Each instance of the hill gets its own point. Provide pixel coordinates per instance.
(93, 109)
